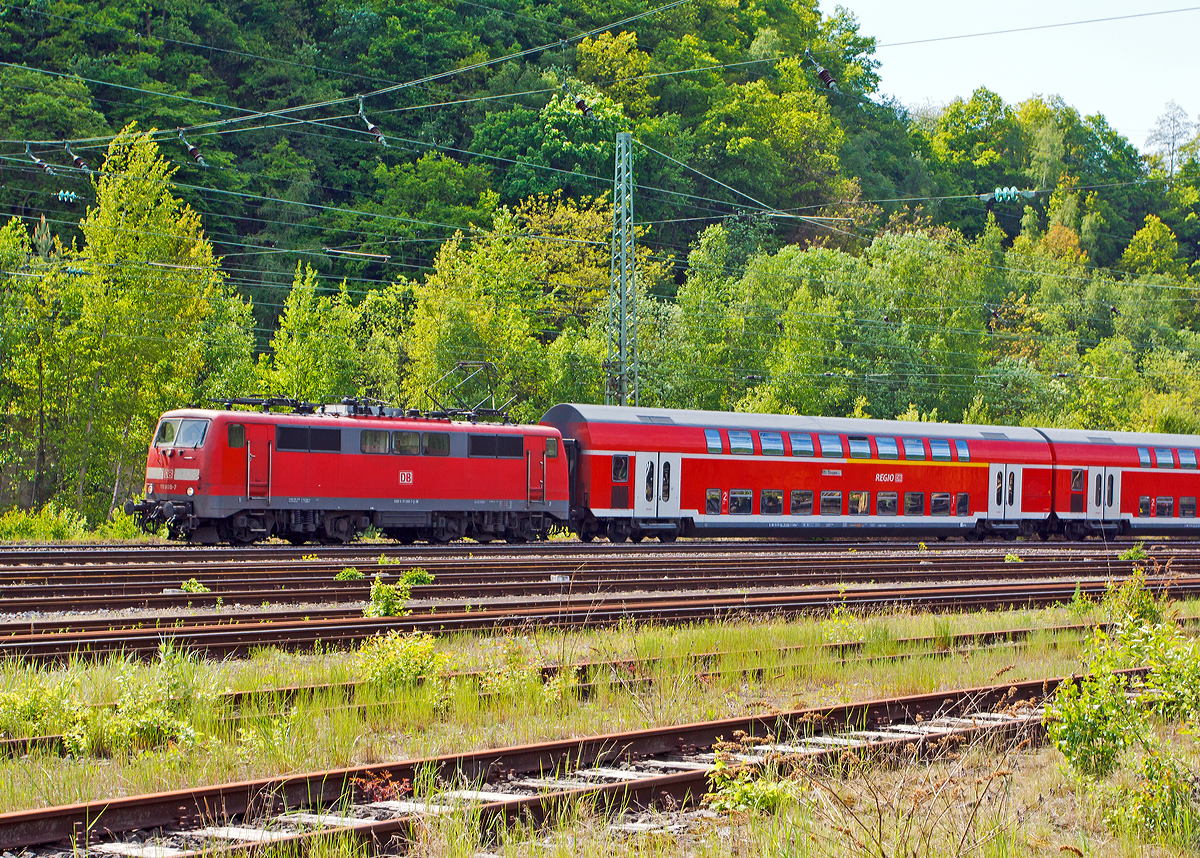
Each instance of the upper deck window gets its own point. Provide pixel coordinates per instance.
(831, 446)
(1187, 459)
(1164, 458)
(771, 443)
(886, 447)
(181, 432)
(860, 447)
(914, 448)
(740, 441)
(802, 444)
(939, 449)
(964, 452)
(1144, 457)
(712, 439)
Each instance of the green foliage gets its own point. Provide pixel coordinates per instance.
(1089, 723)
(349, 573)
(191, 585)
(387, 600)
(397, 660)
(740, 788)
(1135, 553)
(1162, 804)
(1131, 603)
(35, 710)
(1013, 558)
(51, 523)
(416, 577)
(514, 671)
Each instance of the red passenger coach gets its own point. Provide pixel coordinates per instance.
(241, 476)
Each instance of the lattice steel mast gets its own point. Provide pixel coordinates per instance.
(621, 383)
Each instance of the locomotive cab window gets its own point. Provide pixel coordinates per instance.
(1144, 457)
(964, 452)
(712, 502)
(1187, 507)
(771, 443)
(1187, 459)
(802, 502)
(831, 447)
(770, 502)
(551, 448)
(373, 441)
(831, 503)
(740, 441)
(939, 449)
(1163, 457)
(740, 501)
(436, 444)
(914, 503)
(886, 503)
(886, 447)
(801, 442)
(859, 503)
(712, 440)
(620, 469)
(914, 448)
(860, 447)
(406, 443)
(939, 503)
(165, 436)
(236, 434)
(177, 432)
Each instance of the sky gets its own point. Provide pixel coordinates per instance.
(1127, 70)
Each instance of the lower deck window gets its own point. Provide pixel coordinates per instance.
(860, 503)
(770, 502)
(831, 503)
(1144, 505)
(1164, 507)
(962, 505)
(712, 502)
(802, 502)
(1187, 507)
(886, 503)
(939, 503)
(914, 503)
(740, 501)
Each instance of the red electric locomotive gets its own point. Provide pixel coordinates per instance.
(330, 472)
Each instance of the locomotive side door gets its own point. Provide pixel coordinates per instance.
(1004, 492)
(260, 441)
(670, 481)
(535, 469)
(644, 485)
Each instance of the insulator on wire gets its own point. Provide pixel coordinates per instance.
(823, 74)
(78, 162)
(192, 150)
(67, 196)
(371, 126)
(49, 171)
(580, 105)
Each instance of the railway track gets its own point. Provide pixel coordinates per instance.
(529, 783)
(237, 634)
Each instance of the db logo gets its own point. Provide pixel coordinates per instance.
(406, 478)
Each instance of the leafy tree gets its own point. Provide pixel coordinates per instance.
(1153, 250)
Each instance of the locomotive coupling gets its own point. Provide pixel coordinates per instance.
(152, 510)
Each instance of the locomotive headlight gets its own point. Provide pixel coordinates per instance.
(191, 491)
(149, 488)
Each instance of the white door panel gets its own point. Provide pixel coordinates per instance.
(1112, 494)
(643, 485)
(1094, 492)
(670, 480)
(1004, 492)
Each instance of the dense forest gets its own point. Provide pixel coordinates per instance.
(202, 205)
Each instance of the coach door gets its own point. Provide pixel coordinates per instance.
(656, 485)
(670, 471)
(260, 443)
(1104, 494)
(1004, 492)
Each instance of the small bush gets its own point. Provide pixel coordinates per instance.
(121, 527)
(387, 600)
(191, 585)
(1137, 552)
(34, 711)
(1089, 723)
(416, 577)
(137, 724)
(399, 660)
(1013, 558)
(384, 560)
(52, 523)
(349, 573)
(742, 788)
(1132, 603)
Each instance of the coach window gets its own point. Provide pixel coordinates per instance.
(1144, 506)
(771, 443)
(406, 443)
(1144, 457)
(914, 448)
(1163, 457)
(939, 449)
(831, 446)
(740, 441)
(649, 481)
(1078, 479)
(939, 503)
(620, 469)
(666, 482)
(1187, 459)
(551, 448)
(1187, 507)
(1110, 489)
(1164, 507)
(373, 441)
(770, 502)
(831, 503)
(860, 503)
(802, 502)
(712, 439)
(962, 504)
(964, 452)
(860, 447)
(436, 444)
(237, 435)
(740, 501)
(914, 503)
(886, 447)
(712, 502)
(886, 502)
(801, 442)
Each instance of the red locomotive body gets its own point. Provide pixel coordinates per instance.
(241, 476)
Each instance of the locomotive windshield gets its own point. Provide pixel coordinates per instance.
(178, 432)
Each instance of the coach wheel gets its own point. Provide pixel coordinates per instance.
(1043, 535)
(408, 537)
(586, 536)
(972, 536)
(667, 535)
(636, 536)
(616, 533)
(1010, 536)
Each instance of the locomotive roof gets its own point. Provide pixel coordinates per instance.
(400, 421)
(580, 413)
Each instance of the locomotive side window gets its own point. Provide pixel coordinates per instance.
(964, 452)
(771, 443)
(373, 441)
(650, 481)
(510, 446)
(620, 469)
(1078, 479)
(481, 445)
(831, 503)
(914, 448)
(740, 441)
(325, 440)
(801, 442)
(770, 502)
(914, 503)
(712, 502)
(1164, 507)
(860, 447)
(406, 443)
(859, 503)
(712, 439)
(740, 501)
(236, 434)
(962, 504)
(291, 438)
(1187, 507)
(886, 502)
(436, 444)
(886, 447)
(1144, 505)
(1163, 457)
(939, 503)
(166, 433)
(1144, 457)
(939, 449)
(802, 500)
(551, 448)
(1187, 459)
(831, 446)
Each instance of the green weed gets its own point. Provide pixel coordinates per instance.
(191, 585)
(349, 573)
(387, 600)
